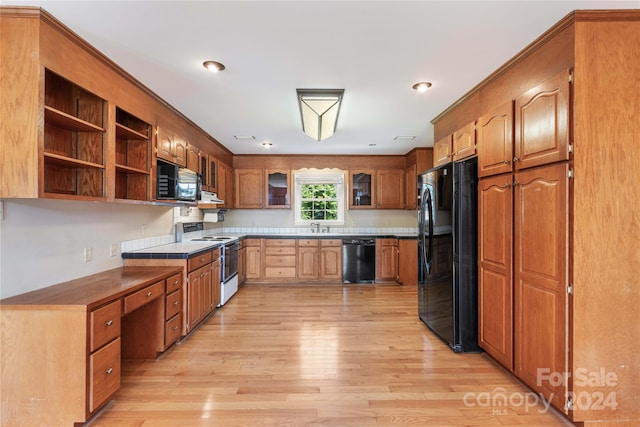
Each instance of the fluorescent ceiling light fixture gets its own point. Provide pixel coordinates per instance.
(213, 66)
(319, 110)
(244, 137)
(404, 138)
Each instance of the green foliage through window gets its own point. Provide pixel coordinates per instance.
(319, 202)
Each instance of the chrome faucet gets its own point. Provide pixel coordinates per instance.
(317, 224)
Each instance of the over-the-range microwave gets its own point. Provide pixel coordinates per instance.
(177, 183)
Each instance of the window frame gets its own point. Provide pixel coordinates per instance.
(333, 177)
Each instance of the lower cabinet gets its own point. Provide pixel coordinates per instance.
(280, 259)
(308, 259)
(253, 260)
(203, 287)
(331, 260)
(386, 260)
(408, 262)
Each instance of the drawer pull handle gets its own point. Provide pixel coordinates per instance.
(176, 302)
(109, 371)
(149, 293)
(176, 282)
(109, 322)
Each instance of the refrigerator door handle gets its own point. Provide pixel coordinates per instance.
(429, 254)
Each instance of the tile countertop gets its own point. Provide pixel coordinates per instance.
(188, 249)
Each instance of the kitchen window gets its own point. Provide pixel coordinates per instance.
(319, 198)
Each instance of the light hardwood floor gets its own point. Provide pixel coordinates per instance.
(319, 355)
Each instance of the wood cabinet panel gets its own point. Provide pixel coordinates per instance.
(464, 142)
(390, 185)
(411, 187)
(408, 262)
(362, 190)
(193, 158)
(277, 189)
(495, 285)
(249, 189)
(172, 329)
(542, 118)
(442, 151)
(143, 296)
(386, 260)
(104, 324)
(199, 260)
(253, 262)
(495, 141)
(104, 366)
(173, 304)
(308, 262)
(541, 233)
(331, 261)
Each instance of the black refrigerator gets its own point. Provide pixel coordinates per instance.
(447, 253)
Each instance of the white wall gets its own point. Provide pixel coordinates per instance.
(353, 218)
(42, 241)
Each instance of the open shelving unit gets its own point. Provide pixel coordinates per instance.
(74, 160)
(133, 153)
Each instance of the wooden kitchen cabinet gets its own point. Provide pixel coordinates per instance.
(226, 186)
(362, 194)
(541, 269)
(171, 147)
(390, 186)
(411, 187)
(249, 189)
(442, 151)
(386, 260)
(308, 259)
(542, 123)
(280, 262)
(495, 267)
(464, 142)
(132, 157)
(208, 171)
(253, 260)
(74, 134)
(495, 141)
(277, 189)
(331, 260)
(193, 158)
(242, 263)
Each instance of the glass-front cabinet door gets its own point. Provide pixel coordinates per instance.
(278, 189)
(362, 193)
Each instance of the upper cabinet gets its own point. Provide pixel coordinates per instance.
(541, 123)
(277, 188)
(171, 147)
(362, 184)
(249, 188)
(390, 189)
(74, 140)
(495, 141)
(133, 157)
(442, 151)
(464, 142)
(193, 158)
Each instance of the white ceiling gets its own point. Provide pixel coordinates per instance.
(374, 50)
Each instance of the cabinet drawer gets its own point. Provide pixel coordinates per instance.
(280, 251)
(308, 243)
(331, 242)
(280, 261)
(172, 329)
(143, 296)
(280, 242)
(104, 368)
(387, 242)
(105, 324)
(174, 283)
(215, 254)
(251, 242)
(174, 304)
(199, 260)
(275, 272)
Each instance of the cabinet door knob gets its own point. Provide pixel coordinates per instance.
(515, 159)
(109, 322)
(176, 302)
(109, 371)
(505, 185)
(175, 283)
(515, 183)
(506, 162)
(149, 293)
(175, 328)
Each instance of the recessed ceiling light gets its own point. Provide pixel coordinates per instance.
(266, 145)
(422, 86)
(404, 138)
(213, 66)
(244, 137)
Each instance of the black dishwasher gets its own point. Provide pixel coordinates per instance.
(358, 260)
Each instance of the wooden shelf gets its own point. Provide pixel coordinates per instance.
(128, 133)
(128, 169)
(68, 121)
(58, 160)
